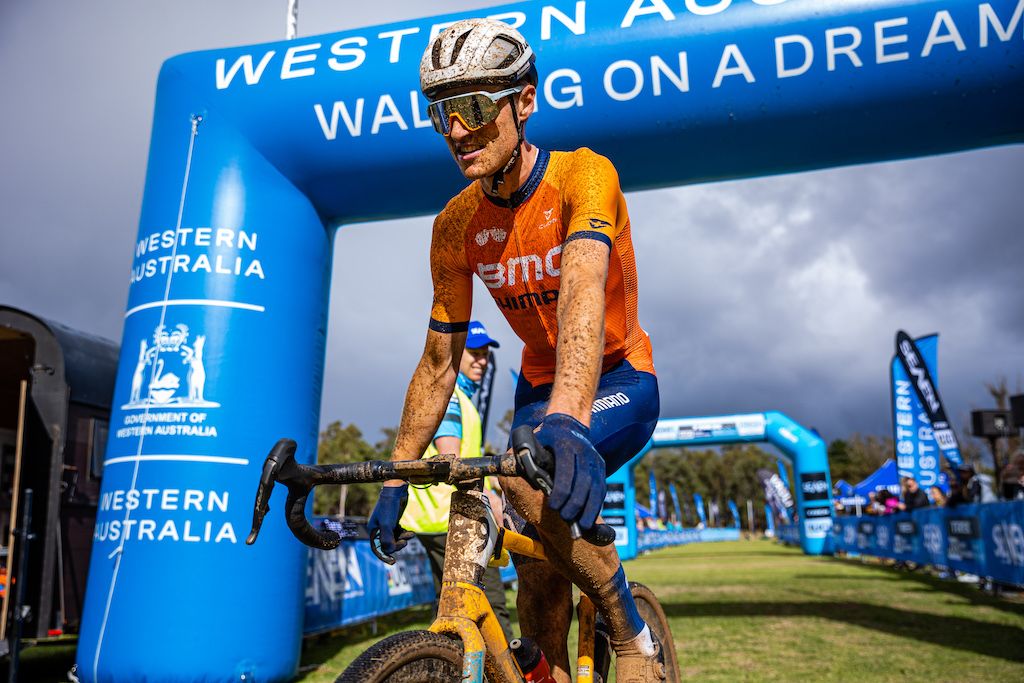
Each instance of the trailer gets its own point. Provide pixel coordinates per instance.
(56, 386)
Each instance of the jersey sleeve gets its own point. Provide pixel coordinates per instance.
(451, 425)
(453, 281)
(592, 199)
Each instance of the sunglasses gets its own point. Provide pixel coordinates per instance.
(474, 110)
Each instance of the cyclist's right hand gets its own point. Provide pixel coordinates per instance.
(385, 518)
(579, 486)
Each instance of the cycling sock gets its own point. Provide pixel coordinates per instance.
(618, 608)
(643, 644)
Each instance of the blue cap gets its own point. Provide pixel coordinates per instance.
(478, 337)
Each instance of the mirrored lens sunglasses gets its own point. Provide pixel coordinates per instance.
(474, 110)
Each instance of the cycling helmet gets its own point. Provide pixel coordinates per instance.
(475, 52)
(484, 52)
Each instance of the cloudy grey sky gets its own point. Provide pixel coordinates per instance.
(778, 293)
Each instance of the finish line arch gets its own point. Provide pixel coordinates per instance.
(801, 447)
(259, 153)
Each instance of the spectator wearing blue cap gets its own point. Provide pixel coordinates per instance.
(460, 432)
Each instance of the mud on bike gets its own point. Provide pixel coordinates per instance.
(464, 642)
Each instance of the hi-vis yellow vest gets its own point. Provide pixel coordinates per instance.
(427, 511)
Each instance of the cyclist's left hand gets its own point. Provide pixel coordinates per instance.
(578, 493)
(385, 516)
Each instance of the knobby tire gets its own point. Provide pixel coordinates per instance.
(651, 612)
(408, 657)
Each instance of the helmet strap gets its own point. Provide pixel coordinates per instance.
(498, 179)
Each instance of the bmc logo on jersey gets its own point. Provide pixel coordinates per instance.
(496, 234)
(521, 269)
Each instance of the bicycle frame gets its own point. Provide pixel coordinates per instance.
(463, 610)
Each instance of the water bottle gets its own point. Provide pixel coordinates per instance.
(531, 660)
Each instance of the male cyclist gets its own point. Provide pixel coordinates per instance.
(548, 234)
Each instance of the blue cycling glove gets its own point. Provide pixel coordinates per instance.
(386, 515)
(578, 493)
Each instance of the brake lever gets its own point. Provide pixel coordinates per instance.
(279, 454)
(280, 466)
(538, 464)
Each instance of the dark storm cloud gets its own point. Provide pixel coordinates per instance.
(786, 292)
(778, 293)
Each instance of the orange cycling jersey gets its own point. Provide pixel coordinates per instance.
(514, 246)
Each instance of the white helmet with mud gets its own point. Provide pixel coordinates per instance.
(475, 52)
(483, 52)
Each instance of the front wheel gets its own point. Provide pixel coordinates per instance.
(651, 612)
(409, 657)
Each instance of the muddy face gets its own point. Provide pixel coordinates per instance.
(481, 153)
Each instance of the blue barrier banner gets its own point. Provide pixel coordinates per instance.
(656, 538)
(866, 535)
(349, 585)
(932, 524)
(789, 533)
(963, 540)
(984, 539)
(906, 539)
(1002, 527)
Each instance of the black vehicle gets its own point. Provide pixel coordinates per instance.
(56, 386)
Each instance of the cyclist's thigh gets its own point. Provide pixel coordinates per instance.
(625, 412)
(531, 404)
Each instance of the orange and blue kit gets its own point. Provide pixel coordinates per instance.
(514, 246)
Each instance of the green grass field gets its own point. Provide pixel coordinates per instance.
(757, 611)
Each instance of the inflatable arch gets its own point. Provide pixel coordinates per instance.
(801, 447)
(259, 153)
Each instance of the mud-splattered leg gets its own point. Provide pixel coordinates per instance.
(545, 612)
(588, 566)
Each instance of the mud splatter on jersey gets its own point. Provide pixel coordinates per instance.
(514, 246)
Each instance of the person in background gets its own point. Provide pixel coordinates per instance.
(837, 505)
(938, 497)
(890, 503)
(1012, 478)
(913, 497)
(460, 432)
(964, 487)
(967, 487)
